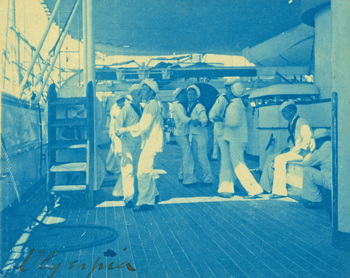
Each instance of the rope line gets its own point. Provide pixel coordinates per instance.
(112, 232)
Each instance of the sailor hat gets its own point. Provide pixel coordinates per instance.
(119, 97)
(237, 88)
(287, 103)
(152, 84)
(320, 133)
(135, 87)
(194, 87)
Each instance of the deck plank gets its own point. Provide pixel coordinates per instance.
(186, 236)
(157, 268)
(231, 266)
(166, 229)
(143, 267)
(314, 243)
(167, 259)
(278, 237)
(239, 247)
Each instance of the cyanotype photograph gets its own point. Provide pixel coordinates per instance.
(174, 138)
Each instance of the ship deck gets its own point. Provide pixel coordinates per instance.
(191, 233)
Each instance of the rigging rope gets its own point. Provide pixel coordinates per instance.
(52, 51)
(112, 232)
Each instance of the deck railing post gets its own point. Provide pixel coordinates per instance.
(340, 57)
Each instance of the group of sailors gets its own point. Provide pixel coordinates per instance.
(137, 137)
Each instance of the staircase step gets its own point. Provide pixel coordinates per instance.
(69, 167)
(70, 122)
(71, 100)
(69, 144)
(70, 187)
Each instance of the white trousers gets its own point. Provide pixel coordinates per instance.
(241, 170)
(146, 178)
(202, 166)
(131, 150)
(226, 184)
(111, 161)
(313, 180)
(279, 185)
(216, 146)
(266, 178)
(186, 170)
(118, 190)
(114, 157)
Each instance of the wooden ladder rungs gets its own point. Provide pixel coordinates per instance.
(63, 188)
(69, 122)
(69, 144)
(69, 167)
(67, 101)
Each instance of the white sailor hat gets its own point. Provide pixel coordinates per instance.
(119, 97)
(152, 84)
(194, 87)
(287, 103)
(135, 87)
(237, 88)
(320, 132)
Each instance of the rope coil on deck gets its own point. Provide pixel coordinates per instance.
(61, 238)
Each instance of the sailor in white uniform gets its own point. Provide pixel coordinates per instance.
(300, 135)
(131, 146)
(313, 179)
(199, 133)
(217, 115)
(113, 157)
(181, 132)
(150, 128)
(236, 134)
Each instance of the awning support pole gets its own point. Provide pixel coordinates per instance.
(57, 51)
(85, 70)
(89, 73)
(37, 52)
(90, 42)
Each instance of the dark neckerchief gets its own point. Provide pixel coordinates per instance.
(228, 102)
(226, 97)
(291, 129)
(191, 107)
(137, 110)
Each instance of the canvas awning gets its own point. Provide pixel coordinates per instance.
(152, 27)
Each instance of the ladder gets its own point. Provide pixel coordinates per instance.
(70, 161)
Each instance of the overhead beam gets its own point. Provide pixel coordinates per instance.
(209, 72)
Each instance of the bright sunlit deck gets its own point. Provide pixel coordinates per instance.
(190, 233)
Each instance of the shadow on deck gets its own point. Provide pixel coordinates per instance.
(190, 233)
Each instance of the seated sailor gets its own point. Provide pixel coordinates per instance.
(313, 179)
(300, 141)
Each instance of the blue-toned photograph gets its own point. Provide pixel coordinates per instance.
(174, 138)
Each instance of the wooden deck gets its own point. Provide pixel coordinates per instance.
(190, 233)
